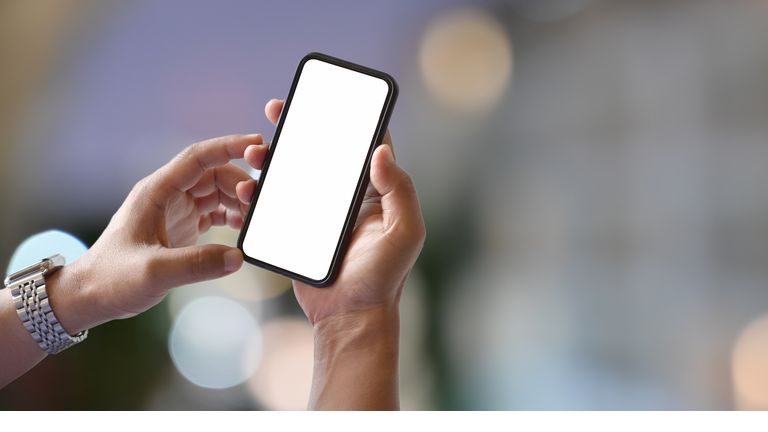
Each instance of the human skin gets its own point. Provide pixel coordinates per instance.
(356, 319)
(149, 249)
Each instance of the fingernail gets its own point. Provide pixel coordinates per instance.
(256, 135)
(233, 258)
(390, 155)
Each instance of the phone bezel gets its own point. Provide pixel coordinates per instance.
(362, 183)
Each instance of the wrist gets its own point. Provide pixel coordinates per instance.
(349, 330)
(356, 361)
(71, 300)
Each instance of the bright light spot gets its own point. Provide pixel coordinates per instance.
(180, 297)
(750, 366)
(43, 245)
(547, 10)
(284, 379)
(215, 342)
(466, 60)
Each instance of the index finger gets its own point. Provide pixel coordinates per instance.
(186, 169)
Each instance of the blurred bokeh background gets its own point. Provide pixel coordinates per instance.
(593, 176)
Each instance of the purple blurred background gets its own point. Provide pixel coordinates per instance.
(593, 176)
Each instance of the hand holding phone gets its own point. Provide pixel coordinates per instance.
(356, 318)
(316, 173)
(387, 238)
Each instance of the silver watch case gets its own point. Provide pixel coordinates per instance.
(47, 266)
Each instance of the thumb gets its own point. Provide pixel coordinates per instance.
(399, 201)
(182, 266)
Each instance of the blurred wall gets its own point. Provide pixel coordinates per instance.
(34, 37)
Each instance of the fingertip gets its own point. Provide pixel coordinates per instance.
(384, 156)
(273, 109)
(380, 169)
(254, 155)
(244, 191)
(256, 138)
(238, 225)
(388, 154)
(233, 260)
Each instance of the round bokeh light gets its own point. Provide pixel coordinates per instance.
(43, 245)
(215, 342)
(750, 366)
(466, 60)
(284, 380)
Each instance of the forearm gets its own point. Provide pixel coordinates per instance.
(356, 361)
(18, 351)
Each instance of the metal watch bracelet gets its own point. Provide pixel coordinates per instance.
(30, 299)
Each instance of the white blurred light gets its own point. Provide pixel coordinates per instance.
(466, 60)
(43, 245)
(547, 10)
(750, 366)
(215, 343)
(284, 379)
(180, 297)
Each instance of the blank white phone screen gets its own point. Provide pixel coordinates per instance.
(318, 159)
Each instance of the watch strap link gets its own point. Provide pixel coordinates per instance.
(30, 299)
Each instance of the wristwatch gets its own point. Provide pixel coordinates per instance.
(31, 301)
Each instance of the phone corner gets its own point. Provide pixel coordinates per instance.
(393, 85)
(241, 243)
(329, 279)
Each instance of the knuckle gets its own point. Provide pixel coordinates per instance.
(188, 151)
(143, 185)
(408, 233)
(146, 192)
(191, 151)
(422, 232)
(194, 148)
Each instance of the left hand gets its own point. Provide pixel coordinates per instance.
(149, 246)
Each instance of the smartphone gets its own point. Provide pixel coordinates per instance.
(316, 171)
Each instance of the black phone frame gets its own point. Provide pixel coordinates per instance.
(362, 183)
